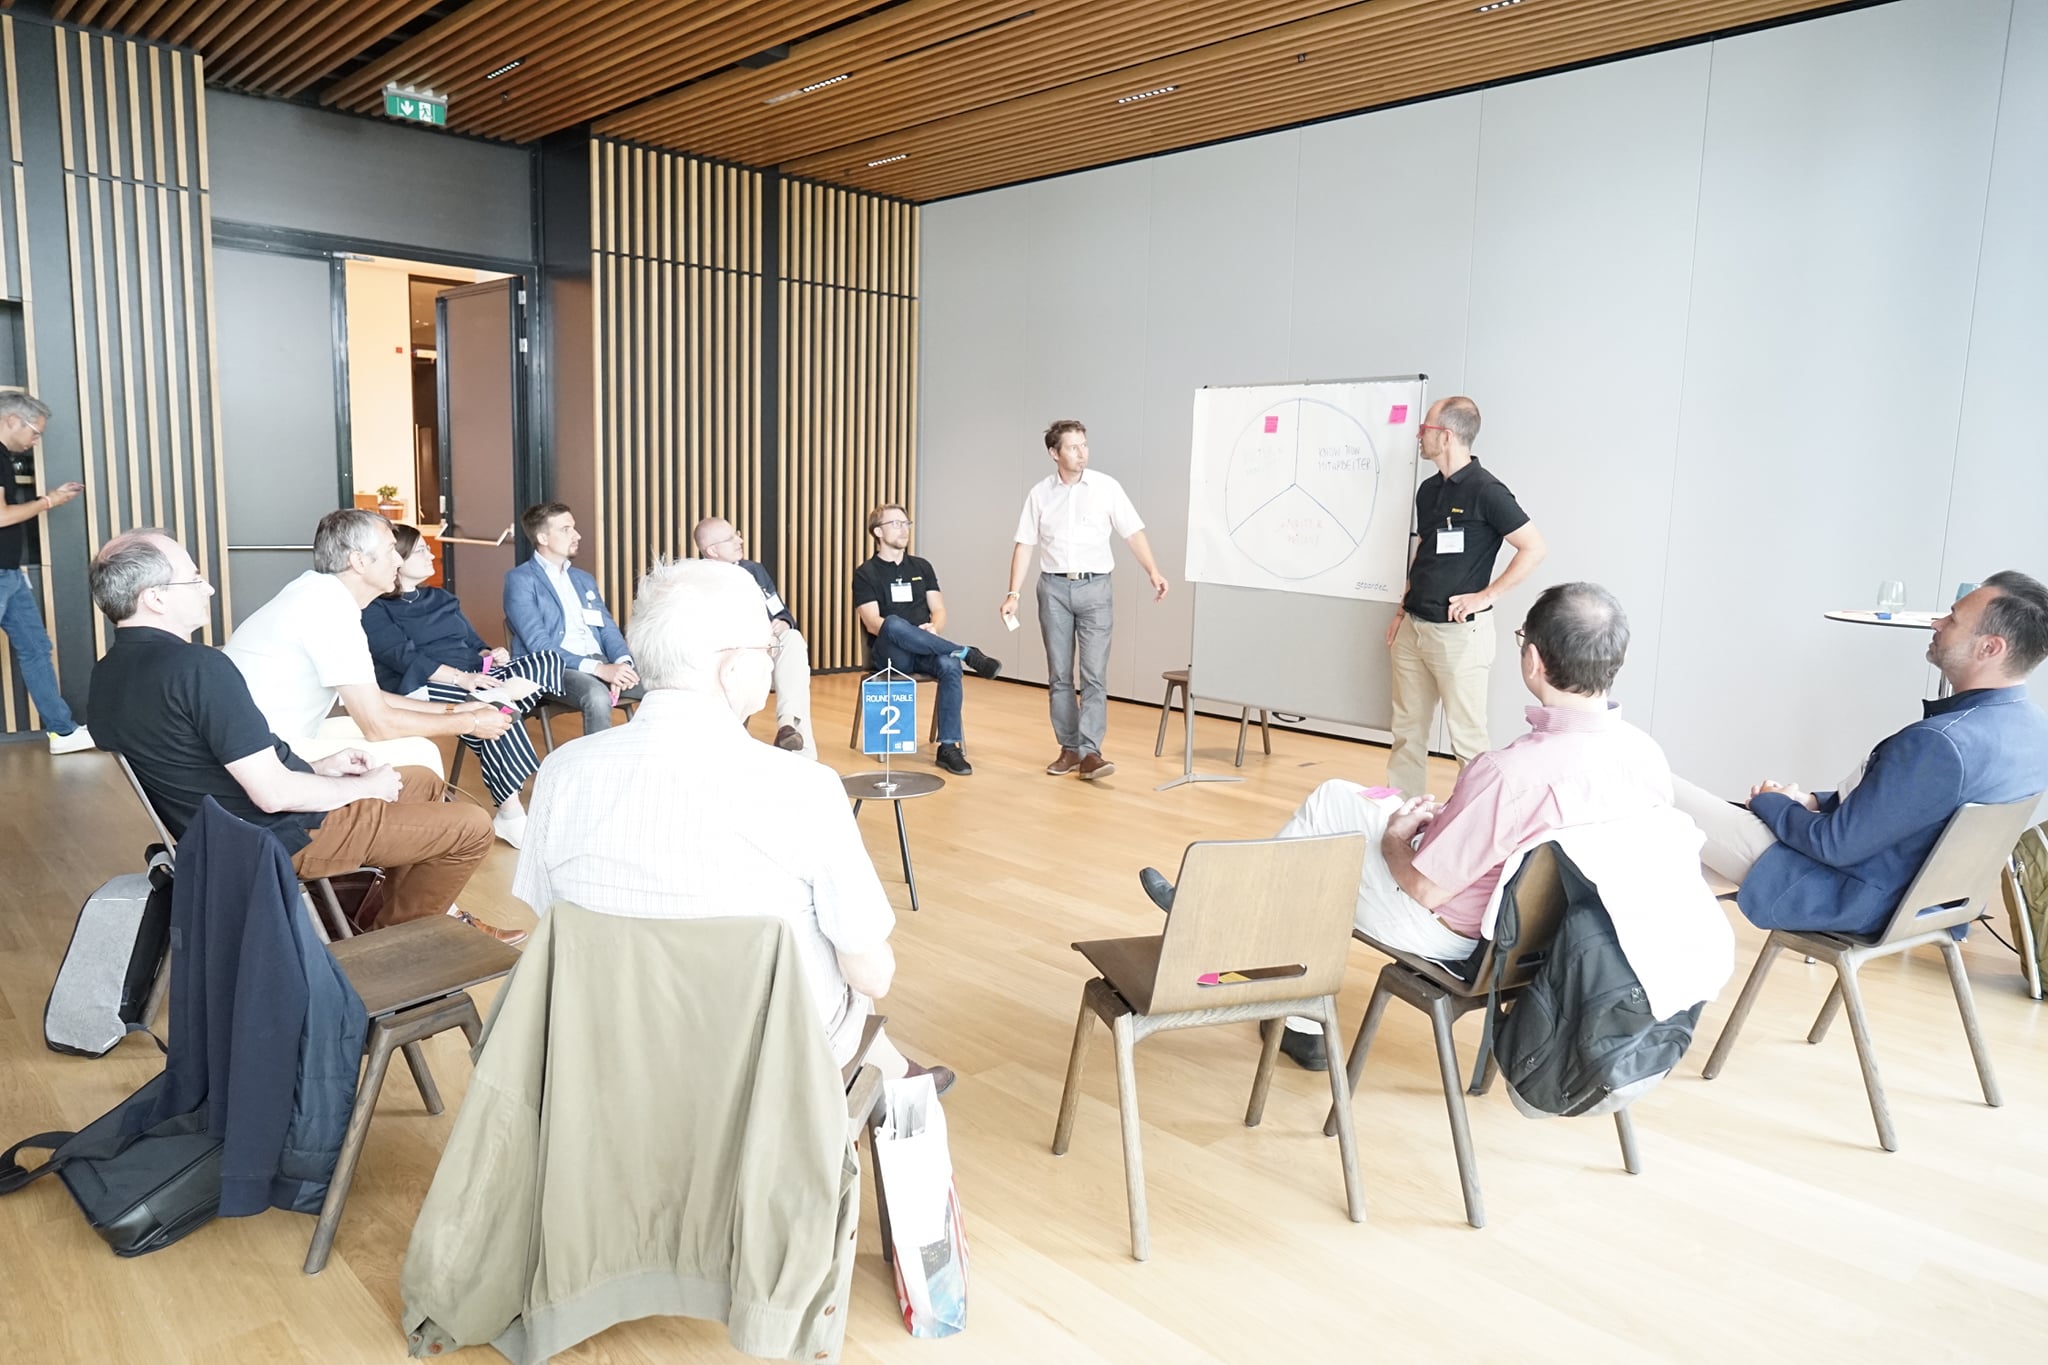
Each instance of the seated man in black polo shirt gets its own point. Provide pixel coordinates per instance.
(896, 595)
(182, 716)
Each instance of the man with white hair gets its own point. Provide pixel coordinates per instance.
(305, 647)
(719, 539)
(683, 815)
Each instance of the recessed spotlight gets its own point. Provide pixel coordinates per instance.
(807, 89)
(1148, 94)
(506, 69)
(1497, 4)
(900, 156)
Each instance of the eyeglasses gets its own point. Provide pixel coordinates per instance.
(184, 583)
(896, 521)
(774, 650)
(1521, 639)
(1425, 426)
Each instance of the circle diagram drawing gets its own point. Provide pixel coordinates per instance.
(1300, 488)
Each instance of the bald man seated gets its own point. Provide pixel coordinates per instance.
(718, 539)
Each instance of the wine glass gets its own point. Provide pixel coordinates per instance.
(1891, 595)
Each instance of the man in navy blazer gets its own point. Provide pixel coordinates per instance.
(551, 605)
(1840, 860)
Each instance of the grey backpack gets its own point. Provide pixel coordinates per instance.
(106, 984)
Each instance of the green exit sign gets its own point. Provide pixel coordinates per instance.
(416, 108)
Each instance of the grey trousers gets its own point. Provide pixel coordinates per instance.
(592, 696)
(1074, 617)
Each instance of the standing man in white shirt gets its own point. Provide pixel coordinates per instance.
(1068, 517)
(305, 647)
(550, 604)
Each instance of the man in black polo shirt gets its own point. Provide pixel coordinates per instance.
(1442, 636)
(182, 716)
(896, 595)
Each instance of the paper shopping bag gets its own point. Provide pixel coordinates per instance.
(923, 1209)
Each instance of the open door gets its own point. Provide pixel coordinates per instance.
(480, 334)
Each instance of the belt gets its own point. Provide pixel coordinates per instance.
(1074, 577)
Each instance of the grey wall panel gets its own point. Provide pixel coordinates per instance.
(974, 432)
(1846, 165)
(1995, 517)
(284, 165)
(276, 375)
(1580, 275)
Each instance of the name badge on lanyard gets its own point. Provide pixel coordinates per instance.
(1450, 542)
(899, 591)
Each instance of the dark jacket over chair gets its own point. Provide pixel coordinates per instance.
(1843, 869)
(266, 1032)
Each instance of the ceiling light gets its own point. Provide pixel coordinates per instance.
(507, 68)
(1497, 4)
(805, 90)
(1148, 94)
(900, 156)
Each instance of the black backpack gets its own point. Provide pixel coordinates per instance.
(139, 1191)
(1580, 1038)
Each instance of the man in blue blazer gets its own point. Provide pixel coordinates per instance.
(1839, 861)
(551, 605)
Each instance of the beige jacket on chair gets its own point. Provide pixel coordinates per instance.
(686, 1155)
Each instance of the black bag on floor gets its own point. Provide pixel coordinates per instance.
(139, 1191)
(116, 953)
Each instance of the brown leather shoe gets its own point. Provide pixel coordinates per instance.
(942, 1076)
(1064, 764)
(511, 938)
(790, 738)
(1094, 766)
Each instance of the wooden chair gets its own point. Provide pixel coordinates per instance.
(414, 979)
(1949, 891)
(1266, 916)
(1441, 994)
(1177, 681)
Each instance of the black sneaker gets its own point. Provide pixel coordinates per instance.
(1156, 886)
(1306, 1049)
(953, 761)
(983, 666)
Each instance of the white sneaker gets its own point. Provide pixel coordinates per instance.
(511, 830)
(78, 739)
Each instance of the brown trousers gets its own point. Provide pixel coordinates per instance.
(426, 846)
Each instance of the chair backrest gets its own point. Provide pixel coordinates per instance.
(1539, 909)
(1259, 919)
(1961, 869)
(149, 807)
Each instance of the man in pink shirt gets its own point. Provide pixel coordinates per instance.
(1430, 870)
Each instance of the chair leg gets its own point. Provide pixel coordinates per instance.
(351, 1151)
(1070, 1098)
(1966, 1004)
(881, 1196)
(1165, 714)
(1340, 1107)
(1828, 1009)
(416, 1062)
(1631, 1159)
(1726, 1042)
(1859, 1029)
(1134, 1157)
(337, 922)
(1266, 731)
(1244, 723)
(1484, 1068)
(1262, 1080)
(1368, 1028)
(1454, 1102)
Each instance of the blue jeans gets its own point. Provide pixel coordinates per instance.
(21, 616)
(907, 649)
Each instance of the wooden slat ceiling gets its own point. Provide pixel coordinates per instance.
(950, 96)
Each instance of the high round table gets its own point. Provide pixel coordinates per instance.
(1901, 620)
(895, 788)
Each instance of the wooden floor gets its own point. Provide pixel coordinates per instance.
(1766, 1224)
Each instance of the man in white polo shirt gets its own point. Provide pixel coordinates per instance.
(1068, 517)
(305, 647)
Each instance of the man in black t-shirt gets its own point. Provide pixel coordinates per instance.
(1442, 636)
(182, 716)
(897, 597)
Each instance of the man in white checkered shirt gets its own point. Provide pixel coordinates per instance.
(683, 815)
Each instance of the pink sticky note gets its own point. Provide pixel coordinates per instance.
(1208, 979)
(1397, 414)
(1378, 793)
(1272, 425)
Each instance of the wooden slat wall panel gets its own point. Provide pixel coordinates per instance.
(132, 118)
(257, 45)
(676, 266)
(848, 398)
(16, 710)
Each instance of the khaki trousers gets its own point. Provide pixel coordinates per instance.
(426, 846)
(1448, 662)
